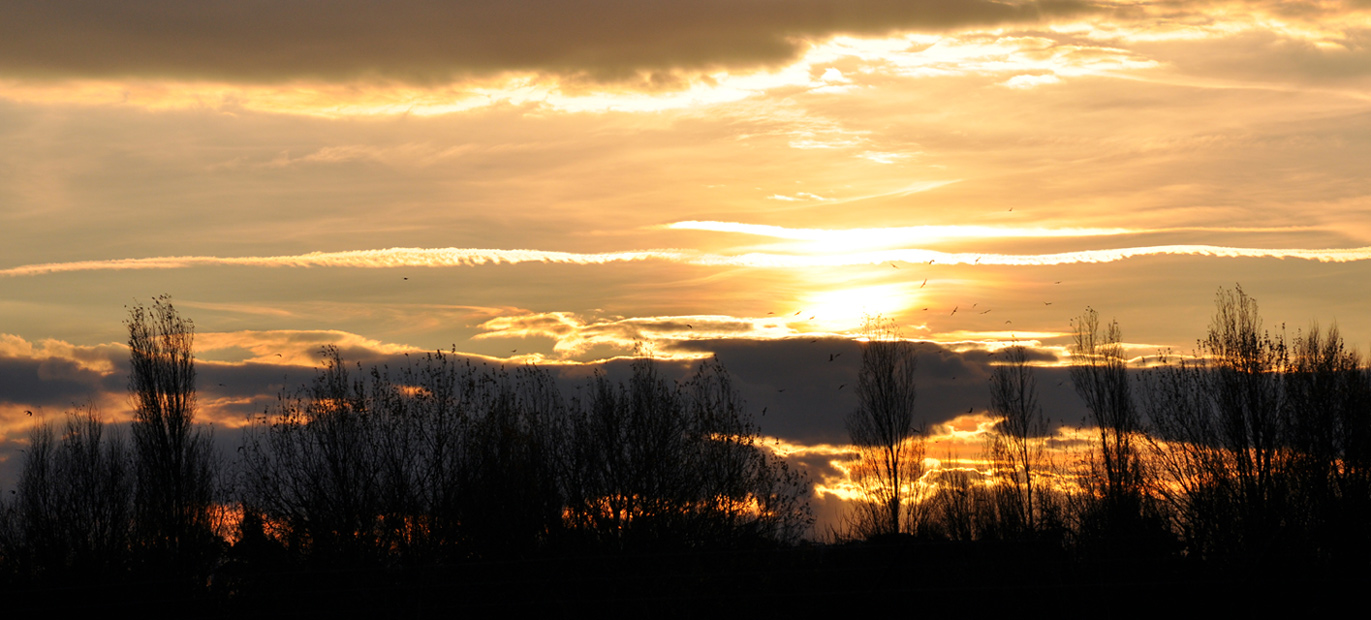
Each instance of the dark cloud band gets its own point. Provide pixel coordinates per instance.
(428, 41)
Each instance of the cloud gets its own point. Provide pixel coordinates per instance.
(428, 41)
(393, 257)
(297, 347)
(468, 257)
(664, 337)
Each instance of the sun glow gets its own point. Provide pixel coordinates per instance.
(845, 309)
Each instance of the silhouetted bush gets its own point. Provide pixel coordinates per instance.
(441, 460)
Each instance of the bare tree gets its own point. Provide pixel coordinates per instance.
(742, 491)
(1017, 443)
(72, 510)
(1328, 397)
(1099, 374)
(1224, 427)
(882, 429)
(173, 461)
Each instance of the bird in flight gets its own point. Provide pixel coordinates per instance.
(954, 310)
(924, 284)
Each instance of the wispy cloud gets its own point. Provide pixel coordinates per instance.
(393, 257)
(904, 235)
(576, 336)
(469, 257)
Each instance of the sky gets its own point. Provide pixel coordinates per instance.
(569, 183)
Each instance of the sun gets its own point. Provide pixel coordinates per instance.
(846, 309)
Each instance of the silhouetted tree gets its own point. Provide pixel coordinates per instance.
(1117, 516)
(657, 464)
(173, 463)
(1017, 444)
(882, 429)
(1255, 442)
(1328, 396)
(962, 507)
(745, 493)
(445, 460)
(312, 468)
(1099, 375)
(72, 507)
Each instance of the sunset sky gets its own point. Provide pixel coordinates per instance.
(564, 183)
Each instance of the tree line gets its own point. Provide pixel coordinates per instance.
(1256, 447)
(438, 461)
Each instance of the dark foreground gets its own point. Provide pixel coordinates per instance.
(971, 579)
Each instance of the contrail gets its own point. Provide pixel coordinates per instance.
(393, 257)
(469, 257)
(925, 234)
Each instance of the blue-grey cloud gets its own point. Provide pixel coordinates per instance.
(425, 41)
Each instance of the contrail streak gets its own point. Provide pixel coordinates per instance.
(469, 257)
(393, 257)
(925, 234)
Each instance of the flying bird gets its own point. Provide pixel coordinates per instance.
(842, 386)
(987, 311)
(1047, 303)
(924, 284)
(797, 313)
(894, 265)
(978, 261)
(833, 356)
(954, 311)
